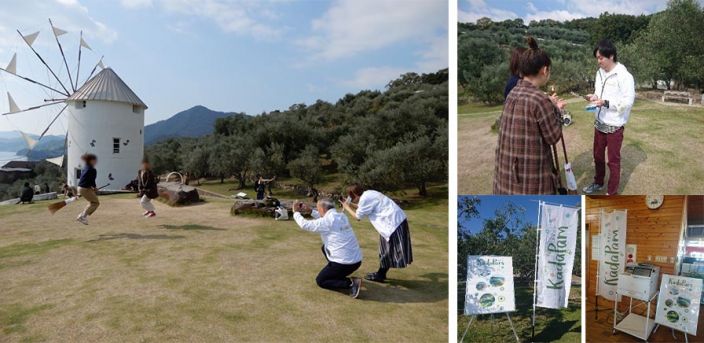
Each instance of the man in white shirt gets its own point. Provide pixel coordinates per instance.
(614, 93)
(390, 221)
(340, 246)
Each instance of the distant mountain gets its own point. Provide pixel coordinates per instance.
(48, 146)
(193, 122)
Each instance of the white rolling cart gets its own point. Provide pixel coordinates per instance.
(640, 283)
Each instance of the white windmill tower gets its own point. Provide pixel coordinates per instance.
(105, 117)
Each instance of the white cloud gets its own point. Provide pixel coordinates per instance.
(559, 15)
(560, 10)
(351, 27)
(373, 77)
(435, 57)
(240, 17)
(479, 9)
(30, 16)
(136, 3)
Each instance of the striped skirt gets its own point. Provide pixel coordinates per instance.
(397, 252)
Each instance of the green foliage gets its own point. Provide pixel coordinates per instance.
(347, 136)
(506, 234)
(489, 86)
(197, 163)
(484, 52)
(307, 166)
(619, 28)
(672, 48)
(44, 172)
(664, 46)
(414, 160)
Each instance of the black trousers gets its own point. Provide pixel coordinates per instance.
(334, 275)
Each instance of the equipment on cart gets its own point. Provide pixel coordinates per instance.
(639, 281)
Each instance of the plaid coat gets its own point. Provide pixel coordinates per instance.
(530, 125)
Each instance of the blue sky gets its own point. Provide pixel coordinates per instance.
(471, 10)
(490, 203)
(229, 55)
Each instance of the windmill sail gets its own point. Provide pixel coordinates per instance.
(59, 160)
(31, 142)
(30, 38)
(58, 31)
(12, 66)
(85, 45)
(13, 105)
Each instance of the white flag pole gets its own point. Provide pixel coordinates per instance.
(535, 270)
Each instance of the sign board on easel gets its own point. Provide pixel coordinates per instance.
(558, 237)
(678, 303)
(489, 285)
(613, 252)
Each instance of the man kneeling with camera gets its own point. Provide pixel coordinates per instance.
(340, 246)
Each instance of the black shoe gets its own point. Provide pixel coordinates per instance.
(356, 287)
(375, 277)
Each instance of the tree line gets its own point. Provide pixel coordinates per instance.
(665, 46)
(506, 234)
(388, 140)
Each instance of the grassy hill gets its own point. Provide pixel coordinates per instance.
(198, 274)
(652, 162)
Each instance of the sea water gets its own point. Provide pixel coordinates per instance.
(7, 156)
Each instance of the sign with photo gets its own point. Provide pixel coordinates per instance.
(613, 252)
(489, 285)
(558, 238)
(678, 303)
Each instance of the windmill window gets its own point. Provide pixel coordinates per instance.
(136, 109)
(81, 104)
(78, 173)
(115, 145)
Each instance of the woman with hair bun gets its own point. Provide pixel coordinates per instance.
(530, 124)
(513, 66)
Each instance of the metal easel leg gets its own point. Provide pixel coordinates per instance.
(471, 319)
(512, 328)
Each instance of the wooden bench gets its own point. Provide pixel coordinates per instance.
(677, 96)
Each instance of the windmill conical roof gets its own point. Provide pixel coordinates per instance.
(106, 86)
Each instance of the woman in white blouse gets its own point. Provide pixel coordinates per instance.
(390, 221)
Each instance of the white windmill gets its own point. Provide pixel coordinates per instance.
(105, 117)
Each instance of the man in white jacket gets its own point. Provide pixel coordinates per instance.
(340, 246)
(614, 93)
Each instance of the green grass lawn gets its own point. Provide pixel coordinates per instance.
(195, 273)
(661, 152)
(551, 325)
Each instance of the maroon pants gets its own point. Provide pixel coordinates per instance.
(610, 142)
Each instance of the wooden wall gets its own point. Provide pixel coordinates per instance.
(656, 232)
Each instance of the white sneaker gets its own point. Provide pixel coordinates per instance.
(83, 220)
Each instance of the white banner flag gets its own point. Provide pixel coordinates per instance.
(613, 252)
(678, 303)
(489, 285)
(558, 238)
